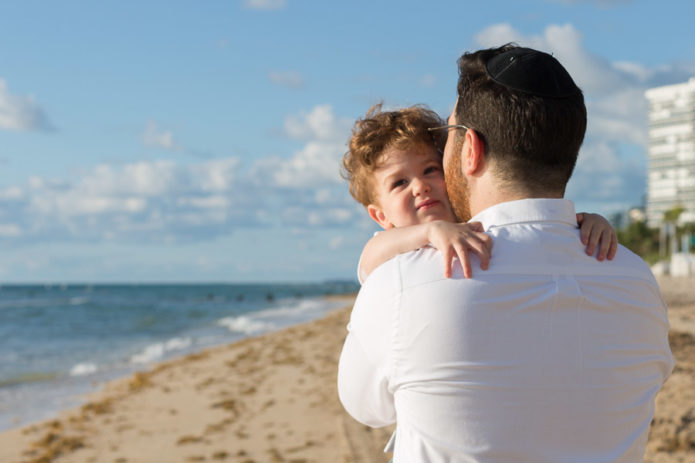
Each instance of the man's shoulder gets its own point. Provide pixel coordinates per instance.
(421, 266)
(556, 249)
(426, 266)
(626, 259)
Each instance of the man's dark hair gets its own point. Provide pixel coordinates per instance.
(528, 112)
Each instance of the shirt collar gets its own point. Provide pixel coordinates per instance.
(528, 210)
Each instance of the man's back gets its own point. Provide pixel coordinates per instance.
(548, 356)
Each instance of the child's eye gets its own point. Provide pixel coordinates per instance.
(431, 169)
(398, 183)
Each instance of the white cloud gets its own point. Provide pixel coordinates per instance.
(265, 4)
(338, 215)
(80, 205)
(35, 182)
(12, 192)
(291, 79)
(324, 195)
(152, 178)
(318, 124)
(620, 116)
(592, 73)
(218, 175)
(330, 216)
(10, 230)
(154, 137)
(21, 113)
(498, 34)
(317, 163)
(141, 201)
(607, 179)
(639, 71)
(336, 242)
(205, 202)
(173, 201)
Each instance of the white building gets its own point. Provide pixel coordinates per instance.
(671, 179)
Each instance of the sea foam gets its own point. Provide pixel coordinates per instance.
(82, 369)
(158, 350)
(245, 325)
(287, 313)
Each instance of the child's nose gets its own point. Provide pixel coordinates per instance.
(420, 186)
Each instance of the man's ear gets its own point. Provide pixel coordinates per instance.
(473, 154)
(379, 217)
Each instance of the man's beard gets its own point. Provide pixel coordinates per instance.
(457, 186)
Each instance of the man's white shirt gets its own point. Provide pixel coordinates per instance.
(548, 356)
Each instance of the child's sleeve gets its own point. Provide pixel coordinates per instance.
(361, 274)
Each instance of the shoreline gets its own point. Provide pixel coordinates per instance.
(273, 398)
(259, 399)
(28, 399)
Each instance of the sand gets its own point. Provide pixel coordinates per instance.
(273, 399)
(672, 437)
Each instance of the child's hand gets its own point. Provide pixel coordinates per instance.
(456, 240)
(595, 230)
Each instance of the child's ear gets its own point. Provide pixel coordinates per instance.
(379, 217)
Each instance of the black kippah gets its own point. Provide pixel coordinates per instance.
(531, 71)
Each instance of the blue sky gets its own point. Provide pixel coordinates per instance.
(200, 141)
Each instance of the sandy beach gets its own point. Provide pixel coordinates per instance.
(273, 399)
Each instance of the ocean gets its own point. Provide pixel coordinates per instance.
(60, 342)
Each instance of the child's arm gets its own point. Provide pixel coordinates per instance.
(594, 230)
(452, 239)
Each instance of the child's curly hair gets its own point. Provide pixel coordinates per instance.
(380, 130)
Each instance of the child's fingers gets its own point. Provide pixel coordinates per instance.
(465, 261)
(590, 248)
(613, 247)
(448, 261)
(480, 244)
(591, 241)
(487, 241)
(462, 255)
(483, 251)
(605, 245)
(584, 234)
(476, 226)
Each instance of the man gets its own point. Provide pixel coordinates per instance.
(547, 356)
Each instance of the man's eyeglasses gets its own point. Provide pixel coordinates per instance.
(447, 127)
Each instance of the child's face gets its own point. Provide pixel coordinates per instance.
(410, 189)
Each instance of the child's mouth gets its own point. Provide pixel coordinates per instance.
(427, 204)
